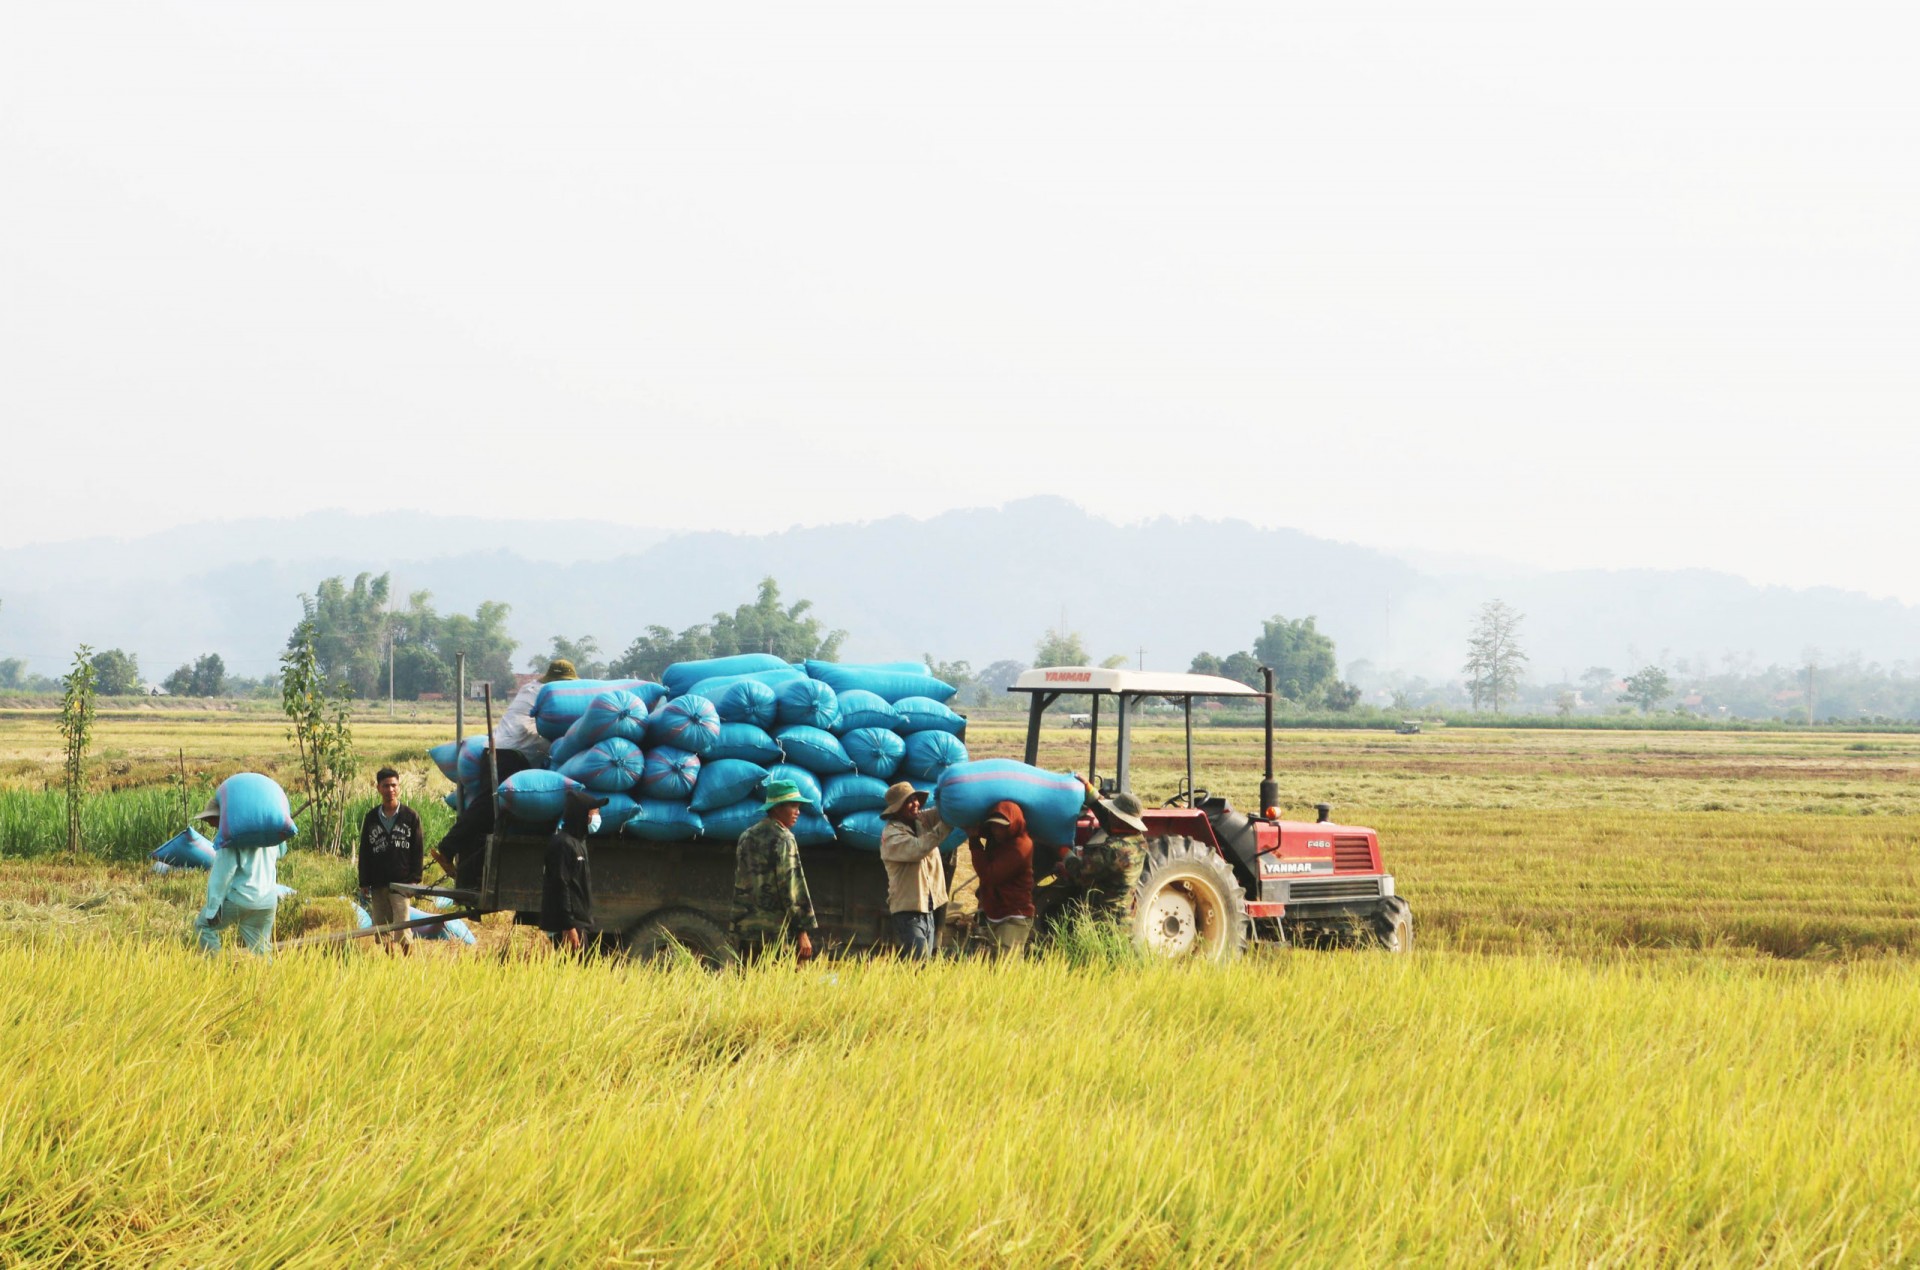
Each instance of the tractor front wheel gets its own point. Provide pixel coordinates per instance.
(1188, 903)
(1393, 926)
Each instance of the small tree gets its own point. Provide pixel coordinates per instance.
(584, 653)
(116, 673)
(1494, 656)
(76, 730)
(1302, 659)
(1564, 702)
(957, 673)
(1061, 648)
(1648, 687)
(322, 734)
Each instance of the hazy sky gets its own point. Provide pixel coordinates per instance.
(1569, 284)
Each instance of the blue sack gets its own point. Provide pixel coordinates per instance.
(446, 757)
(874, 751)
(1052, 800)
(812, 829)
(807, 703)
(658, 820)
(728, 823)
(931, 753)
(452, 928)
(682, 675)
(724, 782)
(841, 796)
(619, 810)
(806, 782)
(670, 773)
(748, 701)
(613, 766)
(535, 797)
(451, 799)
(615, 712)
(862, 830)
(473, 763)
(686, 723)
(743, 740)
(713, 687)
(561, 703)
(188, 849)
(253, 812)
(890, 685)
(862, 709)
(924, 714)
(818, 751)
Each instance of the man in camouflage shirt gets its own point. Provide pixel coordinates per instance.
(772, 909)
(1106, 870)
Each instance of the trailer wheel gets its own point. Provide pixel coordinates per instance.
(682, 931)
(1393, 926)
(1188, 903)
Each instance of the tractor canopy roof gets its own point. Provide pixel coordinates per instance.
(1130, 683)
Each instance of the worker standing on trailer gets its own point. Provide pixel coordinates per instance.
(916, 876)
(566, 888)
(772, 907)
(391, 845)
(1003, 857)
(517, 730)
(461, 851)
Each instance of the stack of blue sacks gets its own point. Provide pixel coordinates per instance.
(688, 758)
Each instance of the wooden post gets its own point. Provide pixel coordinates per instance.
(488, 883)
(459, 724)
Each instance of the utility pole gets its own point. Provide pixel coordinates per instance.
(1143, 658)
(459, 717)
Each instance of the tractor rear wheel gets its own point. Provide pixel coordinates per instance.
(1188, 903)
(676, 932)
(1393, 926)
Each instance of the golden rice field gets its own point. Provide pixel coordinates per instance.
(1664, 1010)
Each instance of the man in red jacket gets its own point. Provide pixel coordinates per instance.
(1002, 855)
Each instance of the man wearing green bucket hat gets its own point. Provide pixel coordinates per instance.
(772, 909)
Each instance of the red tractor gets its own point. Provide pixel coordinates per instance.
(1215, 877)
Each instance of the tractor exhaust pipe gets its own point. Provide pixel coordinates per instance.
(1324, 812)
(1269, 788)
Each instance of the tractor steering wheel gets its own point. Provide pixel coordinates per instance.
(1188, 798)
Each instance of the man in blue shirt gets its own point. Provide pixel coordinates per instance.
(243, 890)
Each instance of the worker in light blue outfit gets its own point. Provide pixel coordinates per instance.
(243, 891)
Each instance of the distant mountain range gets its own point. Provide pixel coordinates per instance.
(980, 584)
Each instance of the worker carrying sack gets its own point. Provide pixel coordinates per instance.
(1052, 800)
(253, 812)
(682, 675)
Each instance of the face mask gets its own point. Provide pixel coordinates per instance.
(593, 822)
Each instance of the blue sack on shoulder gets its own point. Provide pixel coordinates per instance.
(253, 812)
(188, 849)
